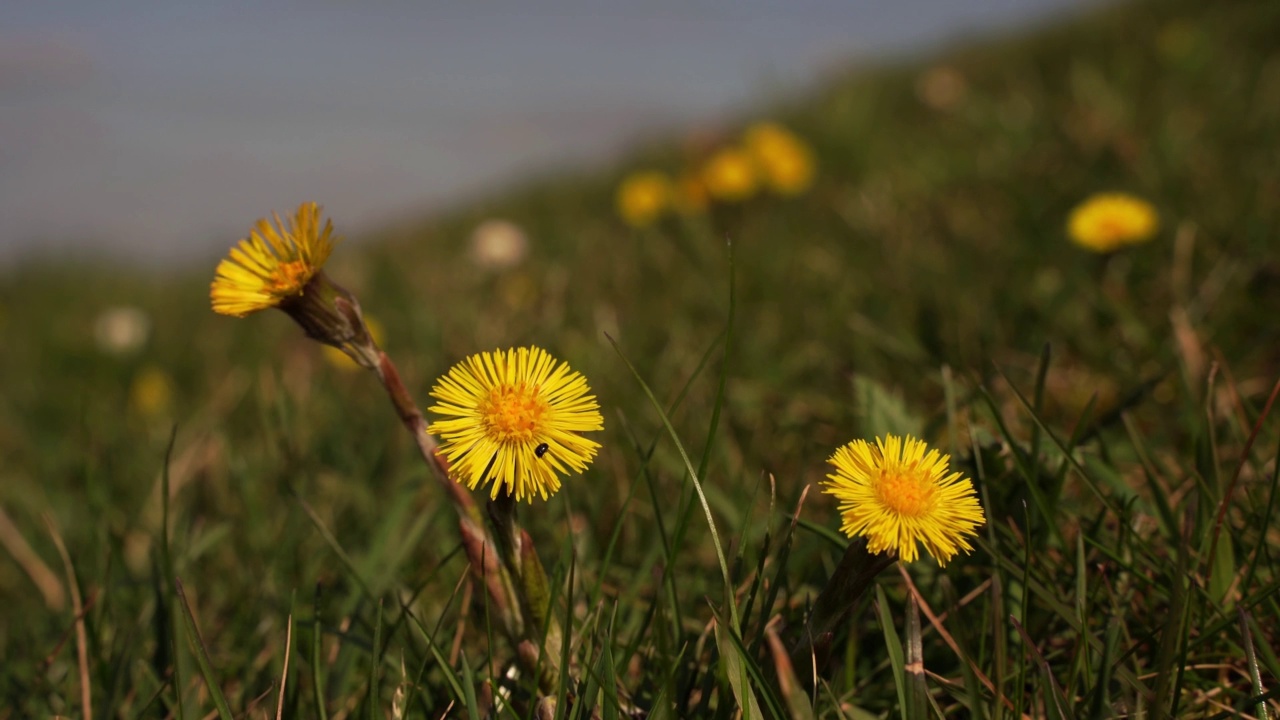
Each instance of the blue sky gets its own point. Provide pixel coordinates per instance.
(160, 130)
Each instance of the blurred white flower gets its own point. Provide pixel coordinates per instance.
(498, 244)
(121, 329)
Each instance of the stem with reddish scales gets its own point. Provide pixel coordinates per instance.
(481, 550)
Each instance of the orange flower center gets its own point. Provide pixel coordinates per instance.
(289, 278)
(513, 414)
(1113, 227)
(905, 492)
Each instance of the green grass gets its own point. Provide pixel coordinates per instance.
(1106, 409)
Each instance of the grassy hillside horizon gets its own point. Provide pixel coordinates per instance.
(1108, 407)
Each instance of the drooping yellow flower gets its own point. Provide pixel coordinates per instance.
(785, 161)
(281, 267)
(898, 494)
(731, 175)
(1109, 221)
(272, 264)
(643, 197)
(512, 420)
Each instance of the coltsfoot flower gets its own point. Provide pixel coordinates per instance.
(731, 176)
(898, 494)
(1108, 221)
(643, 198)
(273, 264)
(512, 420)
(785, 161)
(281, 267)
(151, 393)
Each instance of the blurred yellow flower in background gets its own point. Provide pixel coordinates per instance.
(643, 197)
(731, 175)
(898, 494)
(1108, 221)
(151, 393)
(785, 161)
(512, 421)
(341, 360)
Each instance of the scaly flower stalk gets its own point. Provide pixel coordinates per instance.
(282, 267)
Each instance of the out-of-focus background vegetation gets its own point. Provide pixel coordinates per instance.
(923, 277)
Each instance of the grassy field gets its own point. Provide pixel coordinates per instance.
(1112, 411)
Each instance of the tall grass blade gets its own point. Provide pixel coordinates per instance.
(1251, 662)
(735, 668)
(697, 483)
(611, 706)
(718, 404)
(1066, 452)
(897, 660)
(202, 655)
(1171, 639)
(917, 692)
(317, 670)
(170, 578)
(469, 688)
(375, 666)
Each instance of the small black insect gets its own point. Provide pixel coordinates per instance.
(541, 450)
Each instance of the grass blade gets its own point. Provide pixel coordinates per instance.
(166, 566)
(735, 668)
(1251, 661)
(897, 661)
(693, 475)
(317, 672)
(375, 662)
(202, 655)
(917, 692)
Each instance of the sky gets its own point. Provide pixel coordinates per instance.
(158, 131)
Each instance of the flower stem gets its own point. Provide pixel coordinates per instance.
(852, 577)
(413, 421)
(504, 560)
(482, 551)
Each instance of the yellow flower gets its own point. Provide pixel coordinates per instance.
(785, 161)
(151, 393)
(897, 495)
(280, 267)
(272, 264)
(643, 197)
(340, 359)
(730, 175)
(513, 420)
(1108, 221)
